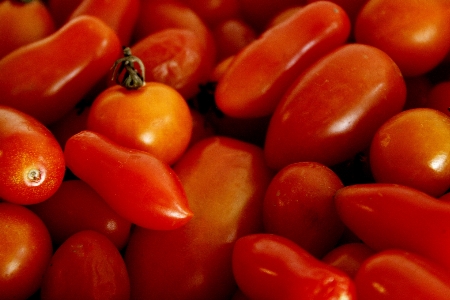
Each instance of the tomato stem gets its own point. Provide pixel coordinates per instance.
(132, 79)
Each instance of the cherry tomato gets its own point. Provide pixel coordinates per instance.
(138, 186)
(32, 161)
(439, 97)
(333, 110)
(414, 33)
(86, 266)
(225, 180)
(299, 205)
(413, 148)
(268, 266)
(26, 249)
(259, 75)
(47, 78)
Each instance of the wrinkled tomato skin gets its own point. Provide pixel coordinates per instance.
(396, 274)
(225, 180)
(268, 266)
(26, 249)
(86, 266)
(386, 216)
(47, 78)
(75, 207)
(27, 147)
(333, 109)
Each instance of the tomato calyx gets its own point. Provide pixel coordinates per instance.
(132, 79)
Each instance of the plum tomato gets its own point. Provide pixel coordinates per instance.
(439, 97)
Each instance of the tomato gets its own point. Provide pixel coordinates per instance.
(259, 75)
(47, 78)
(61, 10)
(26, 249)
(268, 266)
(426, 165)
(396, 274)
(414, 33)
(213, 12)
(32, 161)
(333, 110)
(438, 97)
(389, 216)
(154, 118)
(418, 91)
(224, 180)
(201, 128)
(70, 124)
(86, 266)
(138, 186)
(23, 23)
(299, 205)
(75, 207)
(351, 7)
(348, 257)
(283, 15)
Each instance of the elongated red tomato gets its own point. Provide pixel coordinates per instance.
(47, 78)
(334, 109)
(388, 216)
(225, 180)
(269, 267)
(31, 160)
(259, 75)
(137, 185)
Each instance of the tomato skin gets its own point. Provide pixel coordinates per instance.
(386, 216)
(214, 12)
(268, 266)
(61, 10)
(75, 207)
(53, 77)
(139, 187)
(326, 117)
(413, 32)
(438, 97)
(299, 205)
(26, 249)
(225, 180)
(28, 146)
(154, 118)
(396, 274)
(86, 266)
(280, 54)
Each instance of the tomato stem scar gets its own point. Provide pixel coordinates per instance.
(34, 175)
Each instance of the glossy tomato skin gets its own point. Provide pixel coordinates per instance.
(397, 274)
(225, 180)
(299, 205)
(259, 75)
(86, 266)
(269, 266)
(138, 186)
(414, 33)
(47, 78)
(75, 207)
(424, 166)
(154, 118)
(32, 161)
(333, 109)
(26, 249)
(386, 216)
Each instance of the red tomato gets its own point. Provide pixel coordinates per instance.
(283, 15)
(75, 207)
(351, 7)
(86, 266)
(389, 216)
(413, 148)
(154, 118)
(22, 24)
(268, 267)
(31, 160)
(47, 78)
(439, 97)
(418, 92)
(414, 33)
(139, 187)
(348, 257)
(214, 12)
(400, 275)
(259, 75)
(25, 252)
(333, 110)
(225, 180)
(70, 124)
(299, 206)
(61, 9)
(201, 128)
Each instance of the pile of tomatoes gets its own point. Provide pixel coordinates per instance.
(231, 149)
